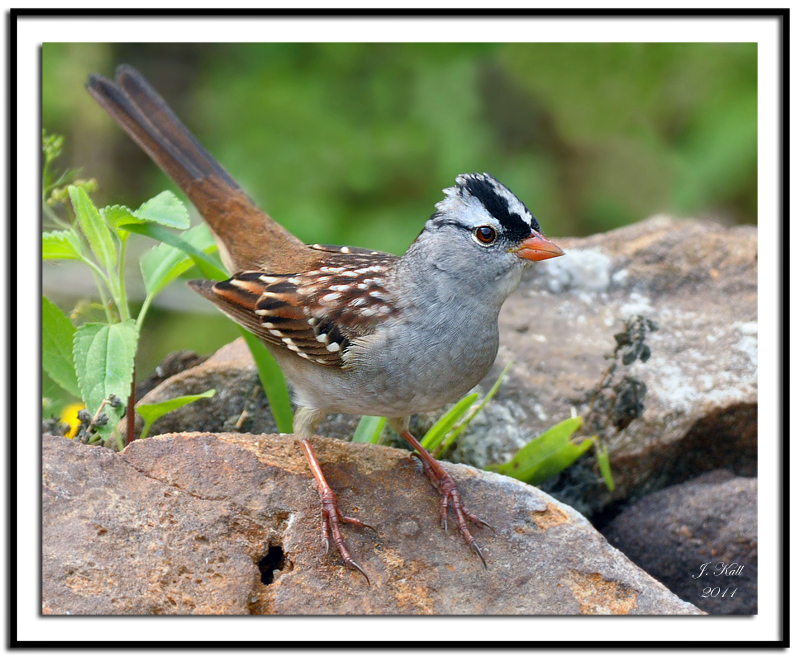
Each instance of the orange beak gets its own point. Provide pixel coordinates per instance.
(538, 247)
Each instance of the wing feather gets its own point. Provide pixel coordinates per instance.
(315, 314)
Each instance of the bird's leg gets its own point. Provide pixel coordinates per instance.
(331, 516)
(447, 488)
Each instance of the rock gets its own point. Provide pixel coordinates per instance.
(174, 363)
(698, 282)
(230, 524)
(711, 520)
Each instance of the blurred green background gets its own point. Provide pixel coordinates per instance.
(352, 143)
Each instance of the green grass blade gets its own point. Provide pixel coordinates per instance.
(437, 432)
(559, 461)
(273, 382)
(369, 430)
(164, 263)
(151, 412)
(203, 261)
(547, 454)
(605, 466)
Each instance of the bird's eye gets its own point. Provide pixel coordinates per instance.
(485, 234)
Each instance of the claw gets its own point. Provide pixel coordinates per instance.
(483, 523)
(480, 554)
(357, 523)
(353, 564)
(331, 517)
(447, 488)
(331, 521)
(475, 520)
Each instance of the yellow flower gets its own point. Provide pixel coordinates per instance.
(70, 416)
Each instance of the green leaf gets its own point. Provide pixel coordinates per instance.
(204, 263)
(605, 466)
(57, 336)
(273, 381)
(93, 227)
(369, 429)
(60, 245)
(165, 209)
(164, 263)
(437, 432)
(151, 412)
(560, 460)
(546, 455)
(103, 356)
(119, 215)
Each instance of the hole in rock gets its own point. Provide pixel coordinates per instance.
(274, 560)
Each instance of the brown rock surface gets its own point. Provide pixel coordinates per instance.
(178, 524)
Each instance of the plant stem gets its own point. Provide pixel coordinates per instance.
(98, 281)
(143, 311)
(53, 216)
(131, 424)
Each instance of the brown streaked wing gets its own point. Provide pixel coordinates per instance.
(315, 314)
(269, 307)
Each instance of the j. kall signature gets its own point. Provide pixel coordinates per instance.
(719, 569)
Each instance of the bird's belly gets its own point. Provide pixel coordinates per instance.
(404, 378)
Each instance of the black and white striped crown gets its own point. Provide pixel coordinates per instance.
(498, 200)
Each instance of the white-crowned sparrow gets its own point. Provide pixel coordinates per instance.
(354, 331)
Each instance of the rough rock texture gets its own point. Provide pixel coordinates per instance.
(174, 363)
(179, 524)
(696, 280)
(710, 520)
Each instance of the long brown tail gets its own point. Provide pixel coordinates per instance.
(248, 238)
